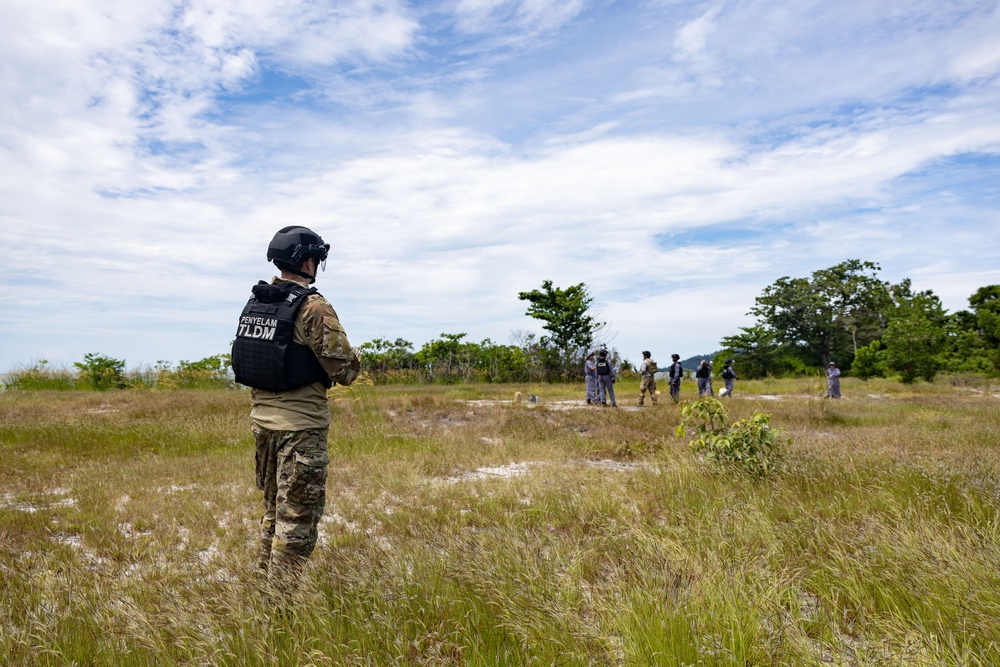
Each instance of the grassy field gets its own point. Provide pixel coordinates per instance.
(464, 529)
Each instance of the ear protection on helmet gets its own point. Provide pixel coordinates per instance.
(295, 243)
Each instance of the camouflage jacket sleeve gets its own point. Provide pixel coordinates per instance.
(322, 332)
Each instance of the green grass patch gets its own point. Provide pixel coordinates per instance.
(463, 527)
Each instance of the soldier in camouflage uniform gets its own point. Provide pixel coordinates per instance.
(647, 369)
(289, 379)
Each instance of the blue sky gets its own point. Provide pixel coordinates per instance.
(675, 156)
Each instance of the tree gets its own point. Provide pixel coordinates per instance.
(566, 315)
(756, 350)
(381, 356)
(986, 305)
(915, 335)
(973, 337)
(832, 313)
(448, 358)
(912, 347)
(502, 363)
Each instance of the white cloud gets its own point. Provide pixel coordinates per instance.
(526, 16)
(452, 170)
(691, 37)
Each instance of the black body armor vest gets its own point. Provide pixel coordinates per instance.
(264, 356)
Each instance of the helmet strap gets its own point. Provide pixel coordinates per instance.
(312, 278)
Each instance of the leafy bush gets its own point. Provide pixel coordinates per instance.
(207, 373)
(750, 445)
(101, 372)
(869, 362)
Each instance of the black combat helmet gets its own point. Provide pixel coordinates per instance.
(293, 244)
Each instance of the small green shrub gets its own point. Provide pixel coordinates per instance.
(869, 362)
(101, 372)
(207, 373)
(750, 445)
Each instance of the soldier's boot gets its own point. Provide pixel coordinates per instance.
(264, 554)
(286, 569)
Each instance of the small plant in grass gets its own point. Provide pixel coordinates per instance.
(750, 445)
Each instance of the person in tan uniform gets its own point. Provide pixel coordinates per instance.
(647, 370)
(290, 348)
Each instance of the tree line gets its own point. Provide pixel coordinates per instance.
(571, 331)
(845, 313)
(867, 326)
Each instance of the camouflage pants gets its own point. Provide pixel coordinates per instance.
(291, 470)
(648, 384)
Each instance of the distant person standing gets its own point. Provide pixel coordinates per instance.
(290, 348)
(704, 375)
(728, 375)
(675, 373)
(832, 381)
(648, 383)
(590, 374)
(605, 379)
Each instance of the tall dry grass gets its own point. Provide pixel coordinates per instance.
(462, 528)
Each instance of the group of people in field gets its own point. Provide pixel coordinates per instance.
(599, 372)
(290, 348)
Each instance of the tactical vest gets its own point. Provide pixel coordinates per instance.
(264, 356)
(603, 367)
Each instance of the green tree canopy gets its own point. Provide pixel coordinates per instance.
(973, 337)
(915, 335)
(565, 313)
(756, 349)
(831, 313)
(986, 305)
(570, 326)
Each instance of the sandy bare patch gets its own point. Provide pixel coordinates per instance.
(10, 501)
(508, 471)
(551, 405)
(608, 464)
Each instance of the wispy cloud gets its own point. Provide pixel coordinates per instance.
(516, 20)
